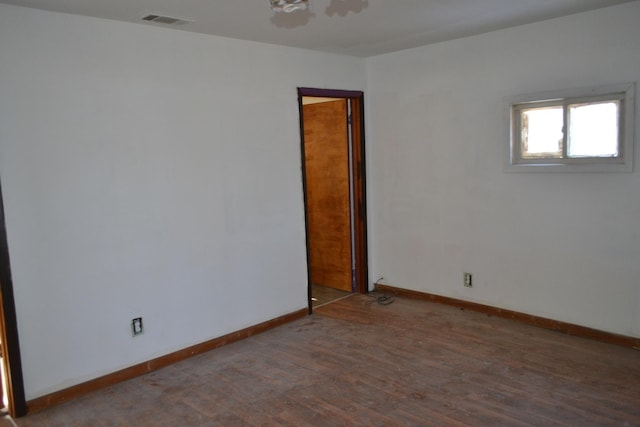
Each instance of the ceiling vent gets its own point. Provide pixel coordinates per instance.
(165, 20)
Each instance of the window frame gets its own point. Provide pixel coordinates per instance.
(622, 93)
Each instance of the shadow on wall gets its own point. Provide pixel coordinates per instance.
(336, 7)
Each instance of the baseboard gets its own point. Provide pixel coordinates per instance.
(542, 322)
(78, 390)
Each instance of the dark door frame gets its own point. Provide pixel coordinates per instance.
(356, 102)
(9, 328)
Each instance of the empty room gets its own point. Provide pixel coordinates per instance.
(323, 212)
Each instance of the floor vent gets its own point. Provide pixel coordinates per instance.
(165, 20)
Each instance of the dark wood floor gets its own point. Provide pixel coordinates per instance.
(354, 362)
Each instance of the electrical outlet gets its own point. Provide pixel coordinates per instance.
(468, 280)
(136, 326)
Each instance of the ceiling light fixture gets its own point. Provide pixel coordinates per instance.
(289, 6)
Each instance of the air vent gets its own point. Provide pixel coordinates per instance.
(165, 20)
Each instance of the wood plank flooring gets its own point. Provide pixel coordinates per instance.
(357, 363)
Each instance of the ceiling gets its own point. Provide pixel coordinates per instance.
(352, 27)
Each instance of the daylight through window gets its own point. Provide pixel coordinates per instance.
(581, 130)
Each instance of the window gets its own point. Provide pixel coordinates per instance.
(588, 130)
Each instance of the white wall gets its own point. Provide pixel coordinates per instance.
(563, 246)
(148, 172)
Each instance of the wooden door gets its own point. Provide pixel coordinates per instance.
(327, 185)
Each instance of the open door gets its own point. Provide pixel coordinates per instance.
(332, 131)
(328, 193)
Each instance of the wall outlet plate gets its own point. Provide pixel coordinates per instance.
(468, 280)
(136, 326)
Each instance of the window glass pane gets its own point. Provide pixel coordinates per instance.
(541, 133)
(593, 130)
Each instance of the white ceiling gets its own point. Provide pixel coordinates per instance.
(353, 27)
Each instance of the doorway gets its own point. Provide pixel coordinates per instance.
(11, 369)
(332, 146)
